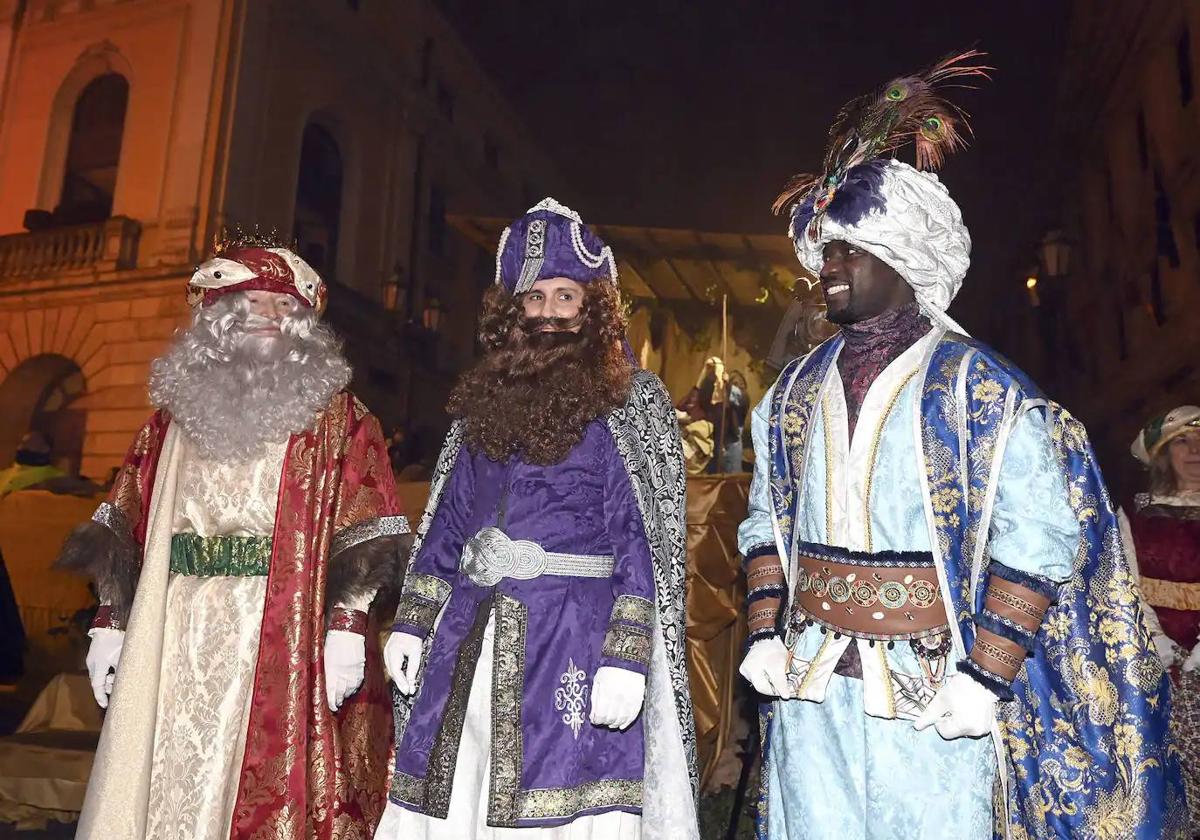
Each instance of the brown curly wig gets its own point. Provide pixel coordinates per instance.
(532, 394)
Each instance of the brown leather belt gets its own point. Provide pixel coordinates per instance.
(886, 596)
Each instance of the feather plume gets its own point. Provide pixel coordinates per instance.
(908, 109)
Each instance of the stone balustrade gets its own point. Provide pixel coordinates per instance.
(101, 246)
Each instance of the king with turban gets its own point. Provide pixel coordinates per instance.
(538, 650)
(237, 558)
(944, 627)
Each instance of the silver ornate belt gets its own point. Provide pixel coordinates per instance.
(490, 556)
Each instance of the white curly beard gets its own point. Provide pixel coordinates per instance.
(233, 392)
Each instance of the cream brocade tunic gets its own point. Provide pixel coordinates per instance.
(210, 649)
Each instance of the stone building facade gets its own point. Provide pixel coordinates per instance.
(131, 131)
(1128, 311)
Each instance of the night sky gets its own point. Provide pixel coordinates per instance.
(692, 114)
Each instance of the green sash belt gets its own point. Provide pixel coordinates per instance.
(192, 554)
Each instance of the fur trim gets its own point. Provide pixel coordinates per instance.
(993, 623)
(864, 558)
(1034, 583)
(758, 635)
(366, 567)
(987, 679)
(761, 551)
(110, 559)
(764, 592)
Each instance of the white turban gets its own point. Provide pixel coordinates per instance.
(919, 233)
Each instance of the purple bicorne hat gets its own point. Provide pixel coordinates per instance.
(551, 241)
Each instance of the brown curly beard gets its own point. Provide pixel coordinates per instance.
(533, 393)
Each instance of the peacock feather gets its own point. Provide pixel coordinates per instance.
(909, 109)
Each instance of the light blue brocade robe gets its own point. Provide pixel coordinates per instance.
(845, 760)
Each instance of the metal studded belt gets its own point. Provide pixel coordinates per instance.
(491, 555)
(886, 596)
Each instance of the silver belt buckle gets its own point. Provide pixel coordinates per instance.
(490, 556)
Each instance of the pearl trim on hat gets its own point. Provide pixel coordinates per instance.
(555, 206)
(500, 252)
(585, 256)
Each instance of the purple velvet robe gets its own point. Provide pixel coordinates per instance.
(549, 763)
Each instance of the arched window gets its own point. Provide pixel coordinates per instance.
(39, 395)
(319, 200)
(94, 151)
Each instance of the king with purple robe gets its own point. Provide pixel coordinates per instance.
(538, 651)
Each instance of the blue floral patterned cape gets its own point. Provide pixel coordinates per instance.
(1085, 745)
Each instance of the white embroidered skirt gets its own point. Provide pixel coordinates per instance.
(467, 818)
(210, 648)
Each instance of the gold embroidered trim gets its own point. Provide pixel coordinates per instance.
(995, 652)
(764, 571)
(887, 680)
(428, 587)
(567, 802)
(1016, 602)
(508, 687)
(634, 609)
(408, 789)
(761, 615)
(422, 600)
(417, 612)
(625, 641)
(439, 777)
(381, 526)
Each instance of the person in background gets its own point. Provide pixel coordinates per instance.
(33, 468)
(696, 436)
(712, 416)
(737, 406)
(397, 446)
(1162, 541)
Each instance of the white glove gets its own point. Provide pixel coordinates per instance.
(102, 657)
(617, 695)
(765, 666)
(961, 708)
(401, 647)
(1193, 660)
(345, 665)
(1167, 650)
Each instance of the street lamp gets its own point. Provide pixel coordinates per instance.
(1055, 253)
(395, 290)
(431, 318)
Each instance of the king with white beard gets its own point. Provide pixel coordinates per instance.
(248, 531)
